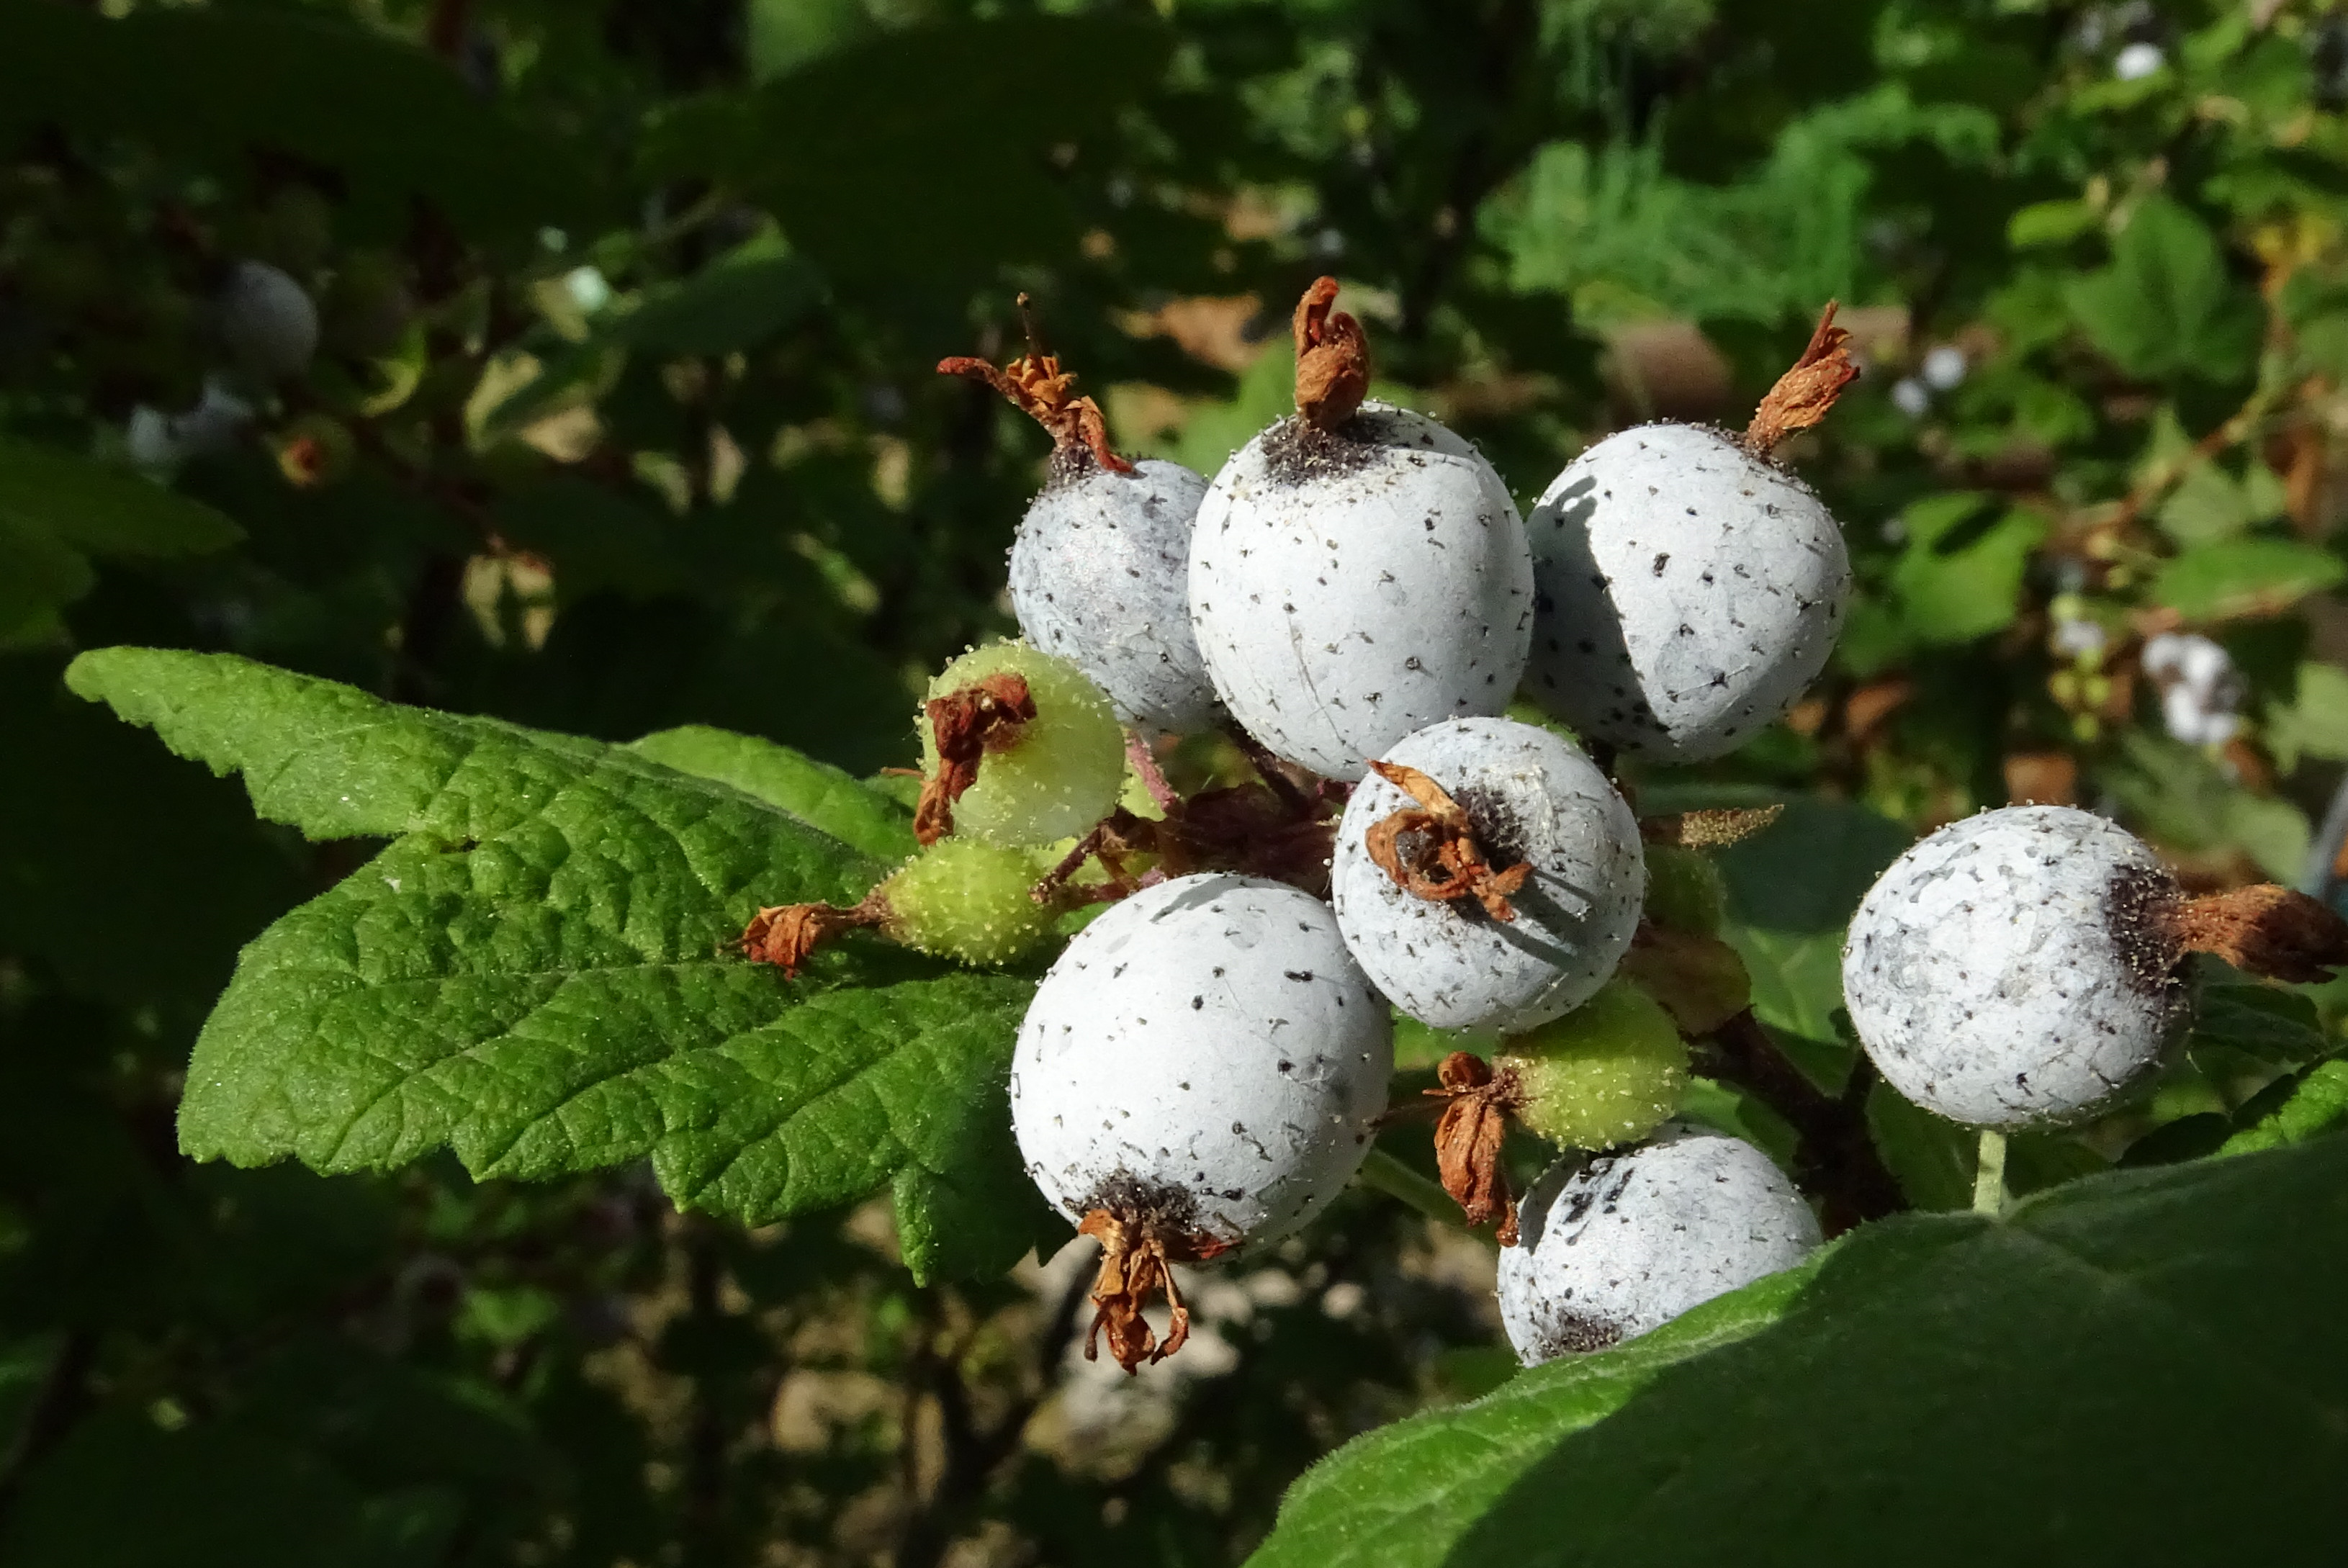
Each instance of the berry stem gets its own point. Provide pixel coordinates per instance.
(1270, 768)
(1382, 1173)
(1989, 1174)
(1153, 777)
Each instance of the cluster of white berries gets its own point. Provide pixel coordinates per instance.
(1357, 595)
(2201, 690)
(268, 325)
(1356, 600)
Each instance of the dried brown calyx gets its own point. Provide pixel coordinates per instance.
(1804, 395)
(1332, 359)
(1430, 849)
(2263, 930)
(1037, 386)
(986, 715)
(1467, 1139)
(1139, 1252)
(1280, 828)
(785, 934)
(1712, 830)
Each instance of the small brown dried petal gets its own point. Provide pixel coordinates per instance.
(2263, 930)
(965, 725)
(1037, 386)
(1332, 359)
(785, 934)
(1805, 393)
(1467, 1139)
(1711, 830)
(1443, 860)
(1136, 1264)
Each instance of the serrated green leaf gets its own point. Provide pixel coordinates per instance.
(1954, 594)
(2265, 1022)
(2164, 306)
(2065, 1366)
(814, 793)
(2318, 1105)
(538, 975)
(2237, 577)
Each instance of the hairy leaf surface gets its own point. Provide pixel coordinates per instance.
(538, 973)
(2048, 1378)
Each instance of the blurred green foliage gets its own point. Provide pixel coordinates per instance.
(622, 422)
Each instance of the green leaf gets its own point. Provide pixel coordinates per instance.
(816, 792)
(2210, 504)
(2266, 1021)
(2315, 723)
(939, 117)
(1933, 1158)
(2318, 1105)
(218, 83)
(538, 975)
(1403, 1493)
(2049, 223)
(2175, 794)
(55, 510)
(2165, 305)
(2063, 1367)
(2239, 577)
(736, 302)
(103, 509)
(235, 1501)
(1955, 584)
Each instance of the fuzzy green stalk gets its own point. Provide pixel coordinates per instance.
(1989, 1174)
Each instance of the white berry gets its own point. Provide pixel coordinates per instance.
(1610, 1249)
(1688, 592)
(1206, 1047)
(1347, 589)
(1534, 798)
(267, 320)
(1100, 575)
(2004, 972)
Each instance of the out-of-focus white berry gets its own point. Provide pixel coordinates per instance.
(1911, 396)
(267, 320)
(2201, 690)
(2079, 637)
(2137, 61)
(1943, 367)
(588, 288)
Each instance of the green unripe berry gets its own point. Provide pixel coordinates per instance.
(1684, 890)
(1609, 1072)
(1063, 771)
(965, 899)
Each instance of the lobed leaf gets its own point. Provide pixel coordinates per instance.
(538, 973)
